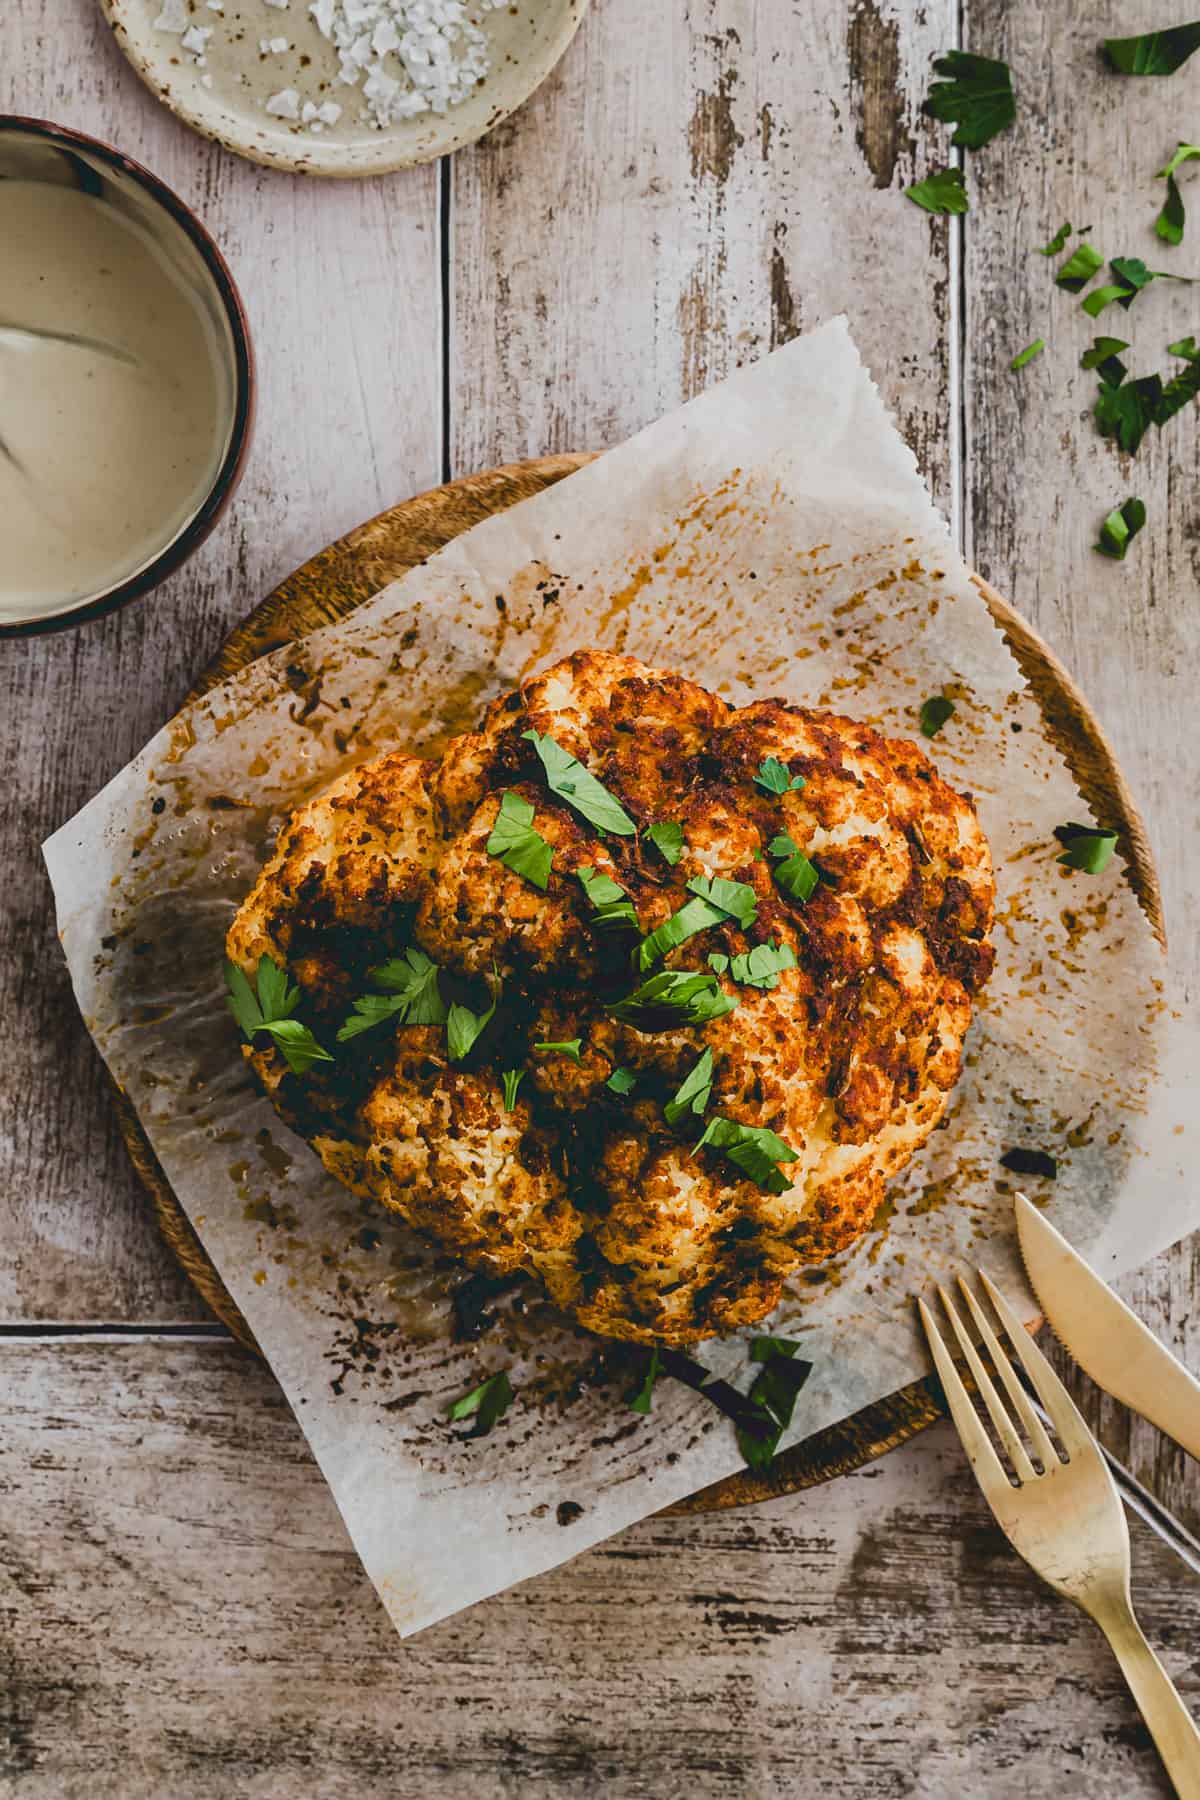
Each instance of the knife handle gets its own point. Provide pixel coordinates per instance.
(1169, 1722)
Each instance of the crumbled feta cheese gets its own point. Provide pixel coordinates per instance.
(285, 104)
(273, 46)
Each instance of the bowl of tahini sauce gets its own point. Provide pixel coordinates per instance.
(126, 379)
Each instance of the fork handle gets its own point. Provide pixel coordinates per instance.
(1170, 1724)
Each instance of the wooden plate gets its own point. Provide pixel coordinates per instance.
(357, 566)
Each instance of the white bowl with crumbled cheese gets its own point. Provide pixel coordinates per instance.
(343, 87)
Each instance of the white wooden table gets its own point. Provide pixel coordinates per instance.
(180, 1614)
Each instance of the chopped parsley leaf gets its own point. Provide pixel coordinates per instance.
(759, 967)
(1104, 357)
(934, 713)
(271, 1010)
(567, 1047)
(1057, 244)
(410, 996)
(485, 1404)
(774, 1394)
(978, 95)
(567, 777)
(622, 1081)
(1120, 528)
(1153, 52)
(1170, 221)
(695, 1093)
(1132, 276)
(641, 1399)
(1127, 412)
(774, 777)
(1028, 353)
(715, 902)
(1085, 847)
(463, 1027)
(512, 1079)
(667, 837)
(945, 191)
(1181, 388)
(752, 1149)
(795, 874)
(611, 904)
(516, 844)
(674, 997)
(1084, 262)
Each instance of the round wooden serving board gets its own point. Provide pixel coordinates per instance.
(340, 578)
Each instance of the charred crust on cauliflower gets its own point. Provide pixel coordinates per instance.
(849, 1057)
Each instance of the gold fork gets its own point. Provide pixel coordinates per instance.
(1064, 1517)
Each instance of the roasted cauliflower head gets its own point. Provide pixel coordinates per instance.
(633, 991)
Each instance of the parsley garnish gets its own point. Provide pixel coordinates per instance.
(567, 1047)
(1057, 243)
(485, 1404)
(753, 1149)
(271, 1011)
(978, 94)
(516, 844)
(1153, 52)
(1170, 221)
(1120, 528)
(934, 713)
(776, 1389)
(1028, 353)
(1084, 262)
(1132, 276)
(512, 1079)
(622, 1081)
(641, 1398)
(945, 191)
(794, 873)
(774, 777)
(1181, 388)
(674, 997)
(1085, 847)
(607, 898)
(758, 967)
(667, 838)
(567, 777)
(715, 902)
(694, 1095)
(1127, 412)
(463, 1026)
(1104, 358)
(410, 996)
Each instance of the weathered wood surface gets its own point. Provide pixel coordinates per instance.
(1039, 481)
(181, 1616)
(343, 289)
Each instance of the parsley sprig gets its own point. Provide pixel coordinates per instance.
(611, 906)
(569, 1047)
(715, 901)
(672, 998)
(977, 94)
(515, 843)
(1170, 222)
(1120, 528)
(485, 1404)
(794, 873)
(410, 996)
(567, 777)
(464, 1027)
(269, 1006)
(667, 837)
(774, 777)
(753, 1149)
(776, 1389)
(945, 191)
(694, 1093)
(759, 968)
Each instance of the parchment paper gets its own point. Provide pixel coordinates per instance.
(771, 538)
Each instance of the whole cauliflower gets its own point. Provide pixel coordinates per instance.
(814, 1067)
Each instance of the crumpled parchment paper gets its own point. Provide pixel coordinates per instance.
(771, 538)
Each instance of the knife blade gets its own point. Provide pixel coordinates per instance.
(1104, 1336)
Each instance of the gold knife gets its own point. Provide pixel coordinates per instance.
(1103, 1336)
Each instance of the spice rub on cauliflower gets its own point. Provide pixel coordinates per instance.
(633, 991)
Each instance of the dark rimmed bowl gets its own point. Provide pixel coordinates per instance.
(34, 145)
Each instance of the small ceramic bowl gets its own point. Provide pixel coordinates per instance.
(32, 150)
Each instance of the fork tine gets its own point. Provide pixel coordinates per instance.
(1012, 1387)
(1065, 1416)
(989, 1471)
(996, 1409)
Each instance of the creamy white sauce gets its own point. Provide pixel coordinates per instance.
(108, 445)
